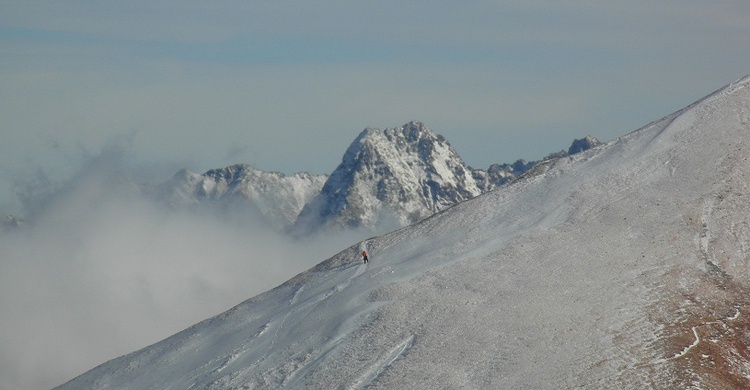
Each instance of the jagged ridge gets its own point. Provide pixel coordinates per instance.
(386, 179)
(276, 197)
(401, 174)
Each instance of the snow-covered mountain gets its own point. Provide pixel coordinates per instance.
(278, 198)
(501, 174)
(393, 177)
(625, 266)
(387, 179)
(399, 176)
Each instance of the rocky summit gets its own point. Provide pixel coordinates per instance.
(386, 179)
(397, 176)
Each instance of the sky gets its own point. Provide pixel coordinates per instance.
(286, 86)
(93, 93)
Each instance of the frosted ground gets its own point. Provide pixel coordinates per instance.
(620, 267)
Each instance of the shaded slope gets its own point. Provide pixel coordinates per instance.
(621, 267)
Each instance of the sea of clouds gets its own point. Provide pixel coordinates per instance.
(97, 270)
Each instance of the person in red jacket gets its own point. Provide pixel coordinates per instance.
(364, 257)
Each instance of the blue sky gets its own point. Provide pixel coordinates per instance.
(287, 86)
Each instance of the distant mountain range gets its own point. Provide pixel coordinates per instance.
(273, 196)
(386, 179)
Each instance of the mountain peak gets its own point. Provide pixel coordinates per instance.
(391, 178)
(413, 131)
(404, 137)
(582, 144)
(242, 189)
(410, 132)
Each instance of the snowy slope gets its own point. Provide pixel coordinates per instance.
(278, 198)
(625, 266)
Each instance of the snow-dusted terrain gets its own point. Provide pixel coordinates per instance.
(387, 179)
(393, 177)
(625, 266)
(276, 197)
(398, 176)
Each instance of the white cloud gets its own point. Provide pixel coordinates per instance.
(100, 271)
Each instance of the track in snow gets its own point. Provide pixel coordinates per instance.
(386, 361)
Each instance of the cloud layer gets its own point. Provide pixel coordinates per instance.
(99, 271)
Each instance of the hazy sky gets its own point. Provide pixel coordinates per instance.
(90, 91)
(287, 85)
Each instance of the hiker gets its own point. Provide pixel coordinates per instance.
(364, 257)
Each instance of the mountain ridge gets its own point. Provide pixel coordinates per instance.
(275, 197)
(387, 179)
